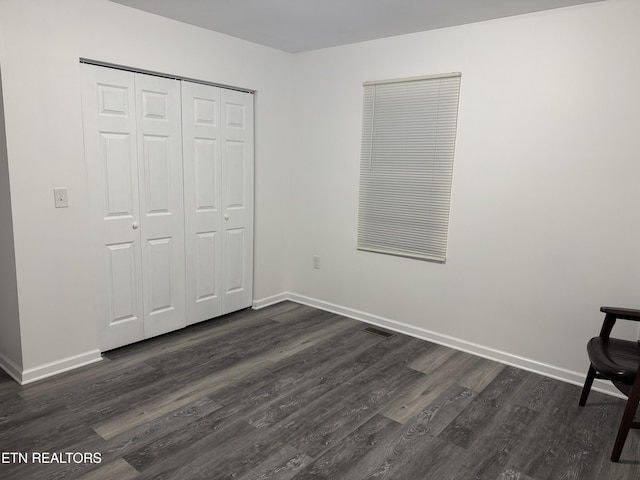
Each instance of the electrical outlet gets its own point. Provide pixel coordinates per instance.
(316, 262)
(61, 195)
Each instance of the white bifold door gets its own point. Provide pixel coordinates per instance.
(218, 175)
(163, 266)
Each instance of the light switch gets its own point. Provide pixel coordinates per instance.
(62, 197)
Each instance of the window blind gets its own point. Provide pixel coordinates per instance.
(406, 168)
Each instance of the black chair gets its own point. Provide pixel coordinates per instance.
(618, 361)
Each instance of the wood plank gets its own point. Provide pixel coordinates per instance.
(433, 357)
(290, 312)
(193, 446)
(118, 469)
(426, 389)
(283, 465)
(353, 452)
(510, 474)
(481, 413)
(481, 374)
(401, 453)
(222, 453)
(138, 437)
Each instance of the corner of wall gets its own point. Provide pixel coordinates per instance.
(10, 340)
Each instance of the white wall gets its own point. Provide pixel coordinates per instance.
(40, 45)
(10, 344)
(544, 218)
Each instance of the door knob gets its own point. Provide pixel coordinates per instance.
(226, 216)
(135, 225)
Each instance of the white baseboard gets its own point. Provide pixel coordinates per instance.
(49, 369)
(547, 370)
(13, 370)
(265, 302)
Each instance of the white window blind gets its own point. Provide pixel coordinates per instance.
(406, 169)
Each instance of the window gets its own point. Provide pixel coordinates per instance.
(406, 166)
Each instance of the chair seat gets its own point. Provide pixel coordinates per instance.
(614, 358)
(617, 360)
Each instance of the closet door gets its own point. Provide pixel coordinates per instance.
(109, 111)
(237, 199)
(159, 140)
(132, 129)
(218, 166)
(202, 200)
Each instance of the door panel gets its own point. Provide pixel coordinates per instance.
(237, 194)
(122, 263)
(157, 181)
(154, 104)
(206, 160)
(206, 281)
(234, 260)
(159, 140)
(234, 173)
(159, 274)
(113, 99)
(110, 137)
(118, 181)
(202, 197)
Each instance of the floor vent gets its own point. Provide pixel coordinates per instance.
(377, 331)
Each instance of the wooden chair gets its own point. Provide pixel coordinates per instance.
(616, 360)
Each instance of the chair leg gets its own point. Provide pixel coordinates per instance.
(591, 374)
(627, 419)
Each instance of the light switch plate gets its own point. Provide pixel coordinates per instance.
(61, 195)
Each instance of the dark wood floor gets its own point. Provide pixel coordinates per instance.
(290, 392)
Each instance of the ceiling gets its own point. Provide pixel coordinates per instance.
(303, 25)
